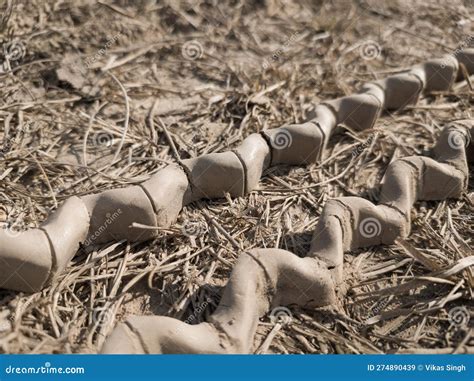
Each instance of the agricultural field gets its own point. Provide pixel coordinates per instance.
(261, 176)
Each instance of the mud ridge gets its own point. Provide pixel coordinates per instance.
(266, 278)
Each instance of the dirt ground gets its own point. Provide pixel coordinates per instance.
(92, 93)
